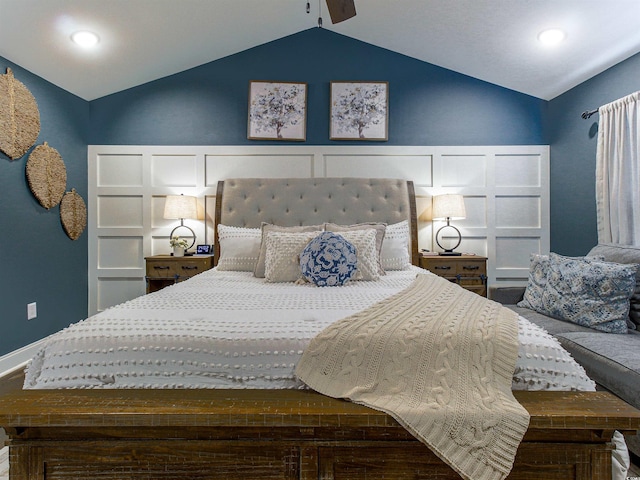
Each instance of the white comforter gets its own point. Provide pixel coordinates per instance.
(232, 330)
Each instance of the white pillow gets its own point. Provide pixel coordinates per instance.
(395, 247)
(367, 267)
(239, 248)
(282, 255)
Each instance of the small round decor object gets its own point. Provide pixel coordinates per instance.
(47, 175)
(454, 238)
(328, 260)
(73, 214)
(19, 117)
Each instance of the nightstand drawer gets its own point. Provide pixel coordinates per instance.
(468, 271)
(164, 270)
(443, 268)
(191, 266)
(159, 268)
(472, 267)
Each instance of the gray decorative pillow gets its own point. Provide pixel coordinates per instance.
(592, 294)
(259, 271)
(282, 257)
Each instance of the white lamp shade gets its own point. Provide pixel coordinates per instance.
(448, 206)
(180, 206)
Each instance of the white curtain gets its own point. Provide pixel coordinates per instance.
(618, 171)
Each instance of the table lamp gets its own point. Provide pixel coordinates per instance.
(179, 207)
(448, 206)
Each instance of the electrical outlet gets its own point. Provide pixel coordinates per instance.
(32, 311)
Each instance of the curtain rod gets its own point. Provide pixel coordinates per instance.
(588, 114)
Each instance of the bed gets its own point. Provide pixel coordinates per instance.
(170, 418)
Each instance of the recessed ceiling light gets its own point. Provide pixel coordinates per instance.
(85, 39)
(552, 36)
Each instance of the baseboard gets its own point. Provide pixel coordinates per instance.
(17, 359)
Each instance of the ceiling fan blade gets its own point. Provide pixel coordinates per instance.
(341, 10)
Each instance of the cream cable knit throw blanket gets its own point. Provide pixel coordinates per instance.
(440, 360)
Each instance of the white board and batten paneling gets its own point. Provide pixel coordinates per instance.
(506, 190)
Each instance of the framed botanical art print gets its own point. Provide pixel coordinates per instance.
(359, 111)
(277, 111)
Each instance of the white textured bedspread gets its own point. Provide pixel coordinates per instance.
(232, 330)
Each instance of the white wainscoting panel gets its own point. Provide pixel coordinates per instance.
(456, 171)
(174, 171)
(476, 208)
(114, 290)
(506, 190)
(513, 254)
(119, 170)
(518, 212)
(524, 170)
(119, 253)
(124, 211)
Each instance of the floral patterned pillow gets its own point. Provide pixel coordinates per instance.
(592, 294)
(538, 266)
(538, 269)
(329, 260)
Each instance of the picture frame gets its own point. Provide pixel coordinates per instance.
(277, 111)
(359, 110)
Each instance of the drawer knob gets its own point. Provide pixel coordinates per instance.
(189, 267)
(160, 267)
(471, 267)
(446, 267)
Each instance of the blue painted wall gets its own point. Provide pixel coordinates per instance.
(40, 263)
(207, 105)
(573, 155)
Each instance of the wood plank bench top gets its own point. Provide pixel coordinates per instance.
(260, 408)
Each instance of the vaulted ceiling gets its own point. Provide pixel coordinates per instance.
(492, 40)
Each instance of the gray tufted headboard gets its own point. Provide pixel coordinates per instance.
(247, 202)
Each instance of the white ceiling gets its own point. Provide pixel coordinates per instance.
(143, 40)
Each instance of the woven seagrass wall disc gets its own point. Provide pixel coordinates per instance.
(73, 214)
(47, 175)
(19, 117)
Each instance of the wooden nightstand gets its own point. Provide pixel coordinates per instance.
(468, 271)
(164, 270)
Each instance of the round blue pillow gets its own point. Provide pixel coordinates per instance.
(328, 260)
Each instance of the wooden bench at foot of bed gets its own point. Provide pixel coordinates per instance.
(278, 434)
